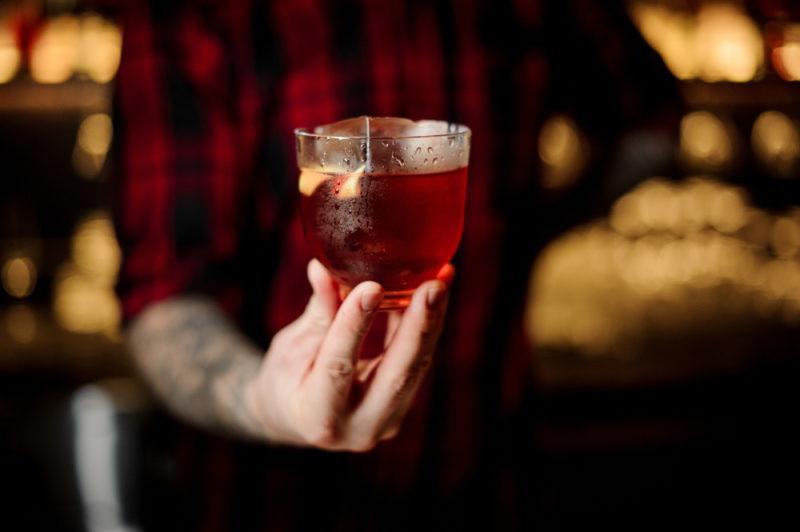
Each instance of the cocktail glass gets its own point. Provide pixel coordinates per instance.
(382, 199)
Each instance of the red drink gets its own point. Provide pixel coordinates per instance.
(396, 229)
(382, 199)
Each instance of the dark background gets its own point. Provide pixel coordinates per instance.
(665, 328)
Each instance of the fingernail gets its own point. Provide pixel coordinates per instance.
(371, 298)
(435, 294)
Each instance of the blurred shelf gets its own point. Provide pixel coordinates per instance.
(25, 95)
(47, 348)
(768, 93)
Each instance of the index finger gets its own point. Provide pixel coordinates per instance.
(331, 375)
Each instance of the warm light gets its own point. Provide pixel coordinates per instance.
(84, 299)
(758, 228)
(705, 139)
(727, 211)
(776, 141)
(788, 56)
(94, 134)
(563, 150)
(81, 305)
(9, 55)
(91, 146)
(625, 218)
(728, 43)
(100, 45)
(95, 251)
(658, 205)
(20, 321)
(670, 33)
(55, 52)
(785, 237)
(19, 276)
(720, 43)
(671, 256)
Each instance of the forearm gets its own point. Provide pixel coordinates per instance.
(198, 363)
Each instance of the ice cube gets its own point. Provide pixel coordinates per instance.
(392, 127)
(350, 127)
(382, 127)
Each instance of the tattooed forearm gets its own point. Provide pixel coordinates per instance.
(195, 359)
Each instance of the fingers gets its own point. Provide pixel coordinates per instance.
(332, 373)
(405, 362)
(446, 274)
(324, 302)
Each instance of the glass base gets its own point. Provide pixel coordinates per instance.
(395, 300)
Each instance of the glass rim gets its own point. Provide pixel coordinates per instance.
(462, 130)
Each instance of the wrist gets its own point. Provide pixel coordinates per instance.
(254, 416)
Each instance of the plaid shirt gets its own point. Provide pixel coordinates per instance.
(208, 95)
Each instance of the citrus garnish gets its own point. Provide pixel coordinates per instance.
(309, 181)
(350, 184)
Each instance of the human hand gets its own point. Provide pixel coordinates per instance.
(312, 389)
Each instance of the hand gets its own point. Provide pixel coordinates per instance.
(312, 389)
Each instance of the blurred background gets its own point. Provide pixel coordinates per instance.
(666, 329)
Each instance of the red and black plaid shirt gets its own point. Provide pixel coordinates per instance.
(208, 96)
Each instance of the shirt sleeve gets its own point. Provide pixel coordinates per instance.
(181, 150)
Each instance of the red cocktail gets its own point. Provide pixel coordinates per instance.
(388, 207)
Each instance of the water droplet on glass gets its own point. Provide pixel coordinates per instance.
(346, 161)
(397, 160)
(435, 160)
(385, 143)
(425, 161)
(430, 150)
(451, 141)
(418, 150)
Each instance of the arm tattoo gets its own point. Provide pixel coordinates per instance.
(197, 361)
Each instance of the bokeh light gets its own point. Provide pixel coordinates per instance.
(95, 251)
(785, 237)
(91, 146)
(9, 53)
(19, 276)
(564, 151)
(705, 140)
(55, 52)
(720, 42)
(786, 56)
(94, 133)
(776, 142)
(100, 46)
(670, 32)
(82, 306)
(671, 257)
(84, 298)
(728, 44)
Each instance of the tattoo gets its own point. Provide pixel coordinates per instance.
(197, 361)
